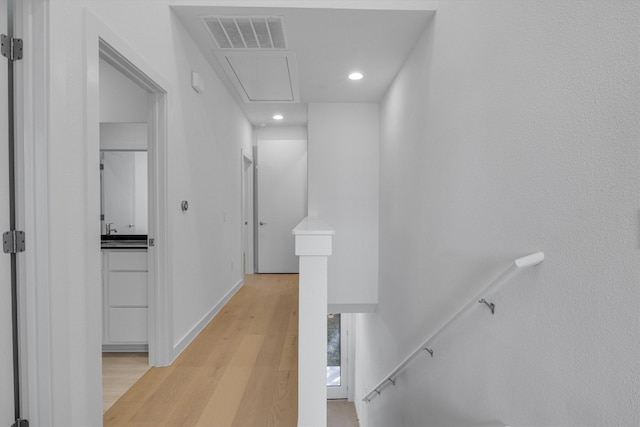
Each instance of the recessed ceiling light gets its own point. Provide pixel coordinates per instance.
(278, 117)
(356, 76)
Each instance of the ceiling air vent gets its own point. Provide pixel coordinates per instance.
(247, 32)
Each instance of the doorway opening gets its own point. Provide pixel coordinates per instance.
(338, 326)
(157, 313)
(247, 213)
(281, 202)
(124, 211)
(133, 239)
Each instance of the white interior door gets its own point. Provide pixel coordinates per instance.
(282, 202)
(6, 342)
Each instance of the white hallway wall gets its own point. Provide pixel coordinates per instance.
(205, 136)
(343, 190)
(271, 133)
(121, 100)
(512, 128)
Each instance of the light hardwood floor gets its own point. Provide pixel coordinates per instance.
(240, 371)
(119, 372)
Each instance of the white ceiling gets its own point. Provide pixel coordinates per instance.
(327, 44)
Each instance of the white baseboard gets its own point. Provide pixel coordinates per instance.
(360, 408)
(125, 348)
(186, 340)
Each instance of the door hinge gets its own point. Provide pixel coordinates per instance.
(13, 242)
(11, 47)
(21, 423)
(152, 241)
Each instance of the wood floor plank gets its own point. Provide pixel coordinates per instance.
(218, 356)
(289, 359)
(284, 405)
(249, 349)
(123, 411)
(119, 372)
(223, 405)
(153, 409)
(258, 397)
(221, 332)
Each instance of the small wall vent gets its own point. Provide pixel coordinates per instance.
(247, 32)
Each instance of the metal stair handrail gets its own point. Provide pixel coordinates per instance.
(517, 265)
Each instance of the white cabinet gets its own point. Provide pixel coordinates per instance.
(125, 299)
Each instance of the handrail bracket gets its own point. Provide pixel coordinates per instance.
(491, 305)
(517, 265)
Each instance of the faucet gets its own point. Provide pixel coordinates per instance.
(110, 229)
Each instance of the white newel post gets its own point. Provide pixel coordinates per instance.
(313, 245)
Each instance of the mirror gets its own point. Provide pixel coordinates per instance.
(124, 200)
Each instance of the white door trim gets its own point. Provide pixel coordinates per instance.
(246, 206)
(32, 24)
(342, 392)
(32, 177)
(103, 42)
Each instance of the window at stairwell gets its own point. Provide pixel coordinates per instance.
(333, 350)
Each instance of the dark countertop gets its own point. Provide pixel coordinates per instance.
(124, 241)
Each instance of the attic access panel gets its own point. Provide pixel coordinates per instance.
(262, 76)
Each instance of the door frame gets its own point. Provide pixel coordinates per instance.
(11, 382)
(343, 391)
(246, 212)
(259, 195)
(103, 43)
(31, 22)
(32, 175)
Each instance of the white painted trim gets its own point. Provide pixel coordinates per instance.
(190, 336)
(102, 41)
(246, 156)
(313, 227)
(160, 265)
(91, 221)
(426, 5)
(124, 348)
(312, 341)
(344, 391)
(312, 321)
(32, 25)
(249, 239)
(351, 357)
